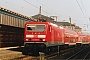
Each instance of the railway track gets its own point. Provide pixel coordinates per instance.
(62, 52)
(72, 53)
(52, 55)
(87, 56)
(82, 54)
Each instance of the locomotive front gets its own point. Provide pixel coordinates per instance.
(34, 37)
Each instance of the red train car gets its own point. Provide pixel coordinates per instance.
(42, 37)
(83, 38)
(70, 37)
(79, 40)
(88, 36)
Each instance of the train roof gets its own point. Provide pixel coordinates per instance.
(37, 22)
(67, 30)
(54, 25)
(45, 23)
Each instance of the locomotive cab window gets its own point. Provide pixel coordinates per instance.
(36, 27)
(30, 27)
(40, 27)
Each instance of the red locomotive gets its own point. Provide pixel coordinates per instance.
(46, 37)
(42, 37)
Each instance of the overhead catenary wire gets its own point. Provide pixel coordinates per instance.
(52, 10)
(64, 15)
(82, 11)
(46, 6)
(25, 7)
(17, 5)
(84, 7)
(35, 6)
(38, 8)
(85, 12)
(81, 8)
(30, 3)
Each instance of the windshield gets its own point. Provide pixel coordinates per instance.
(36, 27)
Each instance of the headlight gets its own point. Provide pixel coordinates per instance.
(26, 39)
(41, 36)
(29, 36)
(43, 39)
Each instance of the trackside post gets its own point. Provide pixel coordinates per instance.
(42, 55)
(58, 50)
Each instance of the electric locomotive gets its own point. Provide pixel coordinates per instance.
(42, 37)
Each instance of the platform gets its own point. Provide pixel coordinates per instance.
(10, 52)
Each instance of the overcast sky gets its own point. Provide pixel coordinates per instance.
(78, 10)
